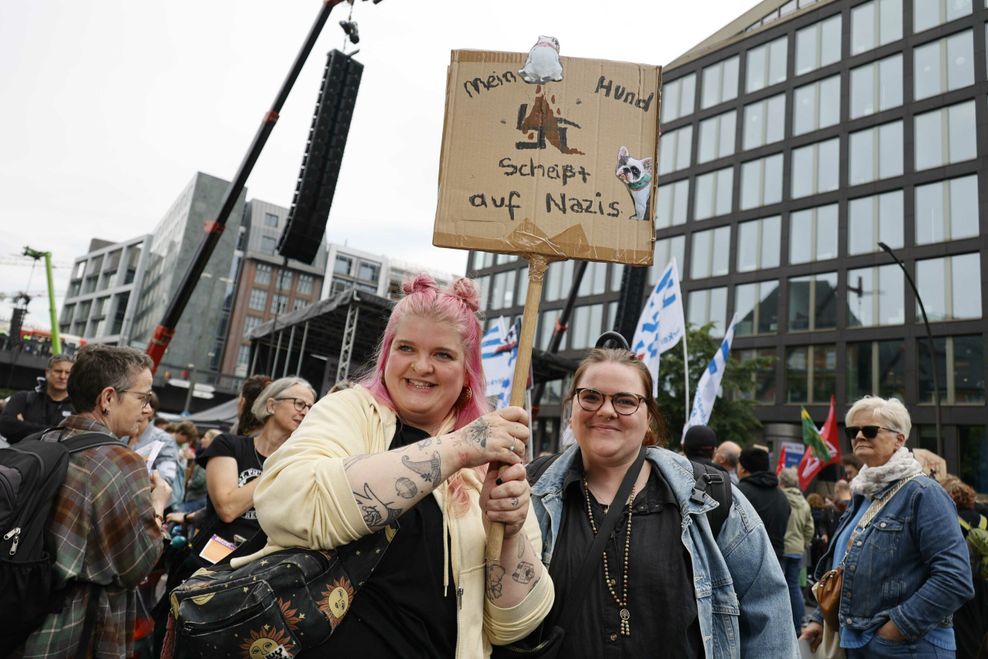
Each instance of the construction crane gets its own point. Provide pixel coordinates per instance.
(56, 342)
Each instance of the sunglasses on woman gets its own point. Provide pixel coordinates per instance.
(623, 403)
(869, 432)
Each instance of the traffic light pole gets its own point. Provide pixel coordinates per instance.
(165, 330)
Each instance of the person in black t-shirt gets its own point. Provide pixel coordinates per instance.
(28, 412)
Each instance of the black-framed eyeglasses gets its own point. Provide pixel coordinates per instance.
(145, 396)
(869, 432)
(300, 405)
(624, 403)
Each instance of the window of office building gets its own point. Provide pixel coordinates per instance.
(269, 245)
(874, 219)
(876, 86)
(674, 150)
(818, 45)
(594, 280)
(762, 390)
(816, 105)
(876, 296)
(759, 244)
(708, 306)
(761, 182)
(484, 284)
(947, 210)
(547, 326)
(279, 303)
(720, 82)
(305, 284)
(671, 206)
(757, 307)
(876, 368)
(950, 287)
(813, 234)
(960, 370)
(587, 325)
(709, 256)
(503, 290)
(943, 65)
(250, 322)
(271, 220)
(766, 65)
(665, 250)
(875, 153)
(973, 456)
(930, 13)
(501, 258)
(945, 136)
(284, 279)
(558, 280)
(811, 373)
(262, 274)
(875, 24)
(713, 193)
(678, 98)
(342, 265)
(299, 303)
(764, 122)
(813, 302)
(369, 271)
(717, 137)
(815, 168)
(258, 299)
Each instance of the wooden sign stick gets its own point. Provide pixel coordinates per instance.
(537, 264)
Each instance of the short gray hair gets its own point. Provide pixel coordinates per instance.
(890, 410)
(789, 477)
(273, 390)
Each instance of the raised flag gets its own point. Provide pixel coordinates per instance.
(498, 351)
(816, 457)
(708, 388)
(662, 323)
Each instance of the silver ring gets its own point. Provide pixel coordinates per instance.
(514, 502)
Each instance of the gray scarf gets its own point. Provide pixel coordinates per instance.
(872, 480)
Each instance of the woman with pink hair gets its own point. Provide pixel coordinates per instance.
(405, 451)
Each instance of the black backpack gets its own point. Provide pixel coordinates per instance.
(711, 480)
(31, 475)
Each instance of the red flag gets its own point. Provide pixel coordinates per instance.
(810, 465)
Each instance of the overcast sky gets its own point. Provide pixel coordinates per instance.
(111, 106)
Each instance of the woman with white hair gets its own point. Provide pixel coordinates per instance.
(898, 549)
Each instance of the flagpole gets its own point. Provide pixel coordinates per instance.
(686, 377)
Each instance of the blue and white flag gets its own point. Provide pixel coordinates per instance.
(662, 323)
(708, 388)
(499, 351)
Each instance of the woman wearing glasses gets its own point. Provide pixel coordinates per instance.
(904, 563)
(233, 464)
(664, 585)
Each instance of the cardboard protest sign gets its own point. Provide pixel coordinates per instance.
(532, 164)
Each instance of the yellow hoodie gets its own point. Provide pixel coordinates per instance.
(304, 499)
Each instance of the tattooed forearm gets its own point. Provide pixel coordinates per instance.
(377, 513)
(524, 573)
(349, 462)
(405, 488)
(477, 432)
(430, 470)
(495, 575)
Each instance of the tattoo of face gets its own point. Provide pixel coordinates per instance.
(430, 470)
(405, 488)
(524, 573)
(495, 575)
(371, 505)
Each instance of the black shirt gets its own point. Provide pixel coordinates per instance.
(37, 409)
(249, 466)
(662, 602)
(402, 611)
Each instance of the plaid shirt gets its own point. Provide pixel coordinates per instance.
(104, 533)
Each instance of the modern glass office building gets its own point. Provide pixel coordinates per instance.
(795, 139)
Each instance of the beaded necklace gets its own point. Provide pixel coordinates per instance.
(622, 601)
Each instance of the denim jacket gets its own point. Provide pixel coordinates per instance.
(741, 596)
(912, 559)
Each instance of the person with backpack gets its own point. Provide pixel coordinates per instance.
(104, 532)
(971, 620)
(662, 581)
(28, 412)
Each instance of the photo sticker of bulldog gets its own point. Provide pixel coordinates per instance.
(637, 176)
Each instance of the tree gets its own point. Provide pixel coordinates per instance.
(733, 416)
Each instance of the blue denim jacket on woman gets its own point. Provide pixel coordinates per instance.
(910, 565)
(742, 600)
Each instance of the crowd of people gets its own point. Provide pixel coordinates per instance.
(407, 451)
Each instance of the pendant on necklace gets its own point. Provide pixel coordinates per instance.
(625, 625)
